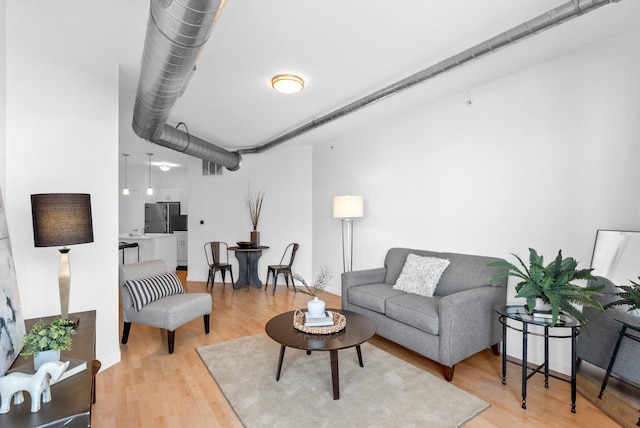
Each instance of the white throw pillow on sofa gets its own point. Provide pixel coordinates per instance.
(420, 275)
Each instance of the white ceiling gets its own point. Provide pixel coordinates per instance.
(344, 50)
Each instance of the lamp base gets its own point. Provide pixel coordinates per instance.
(347, 244)
(73, 322)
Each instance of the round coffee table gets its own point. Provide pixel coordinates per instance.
(358, 330)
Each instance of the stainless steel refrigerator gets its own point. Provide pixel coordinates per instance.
(163, 217)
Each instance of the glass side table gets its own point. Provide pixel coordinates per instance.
(519, 313)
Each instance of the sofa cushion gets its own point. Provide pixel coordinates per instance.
(395, 259)
(466, 272)
(372, 296)
(420, 275)
(417, 311)
(147, 290)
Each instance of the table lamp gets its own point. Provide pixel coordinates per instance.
(61, 219)
(347, 208)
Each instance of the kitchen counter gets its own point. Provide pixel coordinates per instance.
(125, 236)
(152, 246)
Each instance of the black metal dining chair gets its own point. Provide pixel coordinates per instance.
(213, 251)
(290, 253)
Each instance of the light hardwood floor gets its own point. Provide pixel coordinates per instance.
(150, 388)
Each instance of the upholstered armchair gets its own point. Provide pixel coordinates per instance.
(153, 296)
(596, 344)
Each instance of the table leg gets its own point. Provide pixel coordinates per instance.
(623, 330)
(359, 351)
(282, 347)
(546, 356)
(254, 256)
(334, 374)
(504, 351)
(243, 267)
(574, 357)
(525, 338)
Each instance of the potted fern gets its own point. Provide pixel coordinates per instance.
(45, 341)
(552, 284)
(629, 296)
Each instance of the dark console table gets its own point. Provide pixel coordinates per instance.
(70, 406)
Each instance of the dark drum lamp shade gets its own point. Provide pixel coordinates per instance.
(61, 219)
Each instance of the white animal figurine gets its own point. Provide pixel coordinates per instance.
(37, 385)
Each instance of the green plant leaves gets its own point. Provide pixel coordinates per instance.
(552, 283)
(630, 295)
(42, 337)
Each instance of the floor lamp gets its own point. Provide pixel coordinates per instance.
(347, 208)
(61, 219)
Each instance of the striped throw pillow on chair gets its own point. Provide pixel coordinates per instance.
(147, 290)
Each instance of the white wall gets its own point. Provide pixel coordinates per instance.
(542, 157)
(62, 136)
(284, 173)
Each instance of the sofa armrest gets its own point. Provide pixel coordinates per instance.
(360, 277)
(468, 322)
(597, 341)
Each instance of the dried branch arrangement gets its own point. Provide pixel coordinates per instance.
(253, 202)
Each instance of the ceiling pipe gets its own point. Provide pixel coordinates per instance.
(533, 26)
(176, 32)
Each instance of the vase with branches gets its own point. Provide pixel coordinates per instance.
(253, 202)
(320, 283)
(315, 306)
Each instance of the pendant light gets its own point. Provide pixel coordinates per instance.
(125, 189)
(150, 189)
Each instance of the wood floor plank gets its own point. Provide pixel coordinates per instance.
(150, 388)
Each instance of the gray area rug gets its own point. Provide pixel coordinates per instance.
(385, 392)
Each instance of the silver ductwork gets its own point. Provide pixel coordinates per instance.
(536, 25)
(176, 31)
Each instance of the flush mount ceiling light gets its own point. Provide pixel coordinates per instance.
(287, 83)
(164, 167)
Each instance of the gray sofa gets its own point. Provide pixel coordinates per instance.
(596, 343)
(456, 323)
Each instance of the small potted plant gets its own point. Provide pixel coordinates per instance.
(629, 296)
(45, 341)
(551, 284)
(316, 306)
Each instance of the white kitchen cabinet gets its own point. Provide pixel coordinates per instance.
(182, 243)
(167, 194)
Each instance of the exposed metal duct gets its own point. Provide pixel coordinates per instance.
(538, 24)
(176, 31)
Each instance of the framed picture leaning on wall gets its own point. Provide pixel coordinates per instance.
(12, 328)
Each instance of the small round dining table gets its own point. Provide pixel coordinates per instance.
(248, 265)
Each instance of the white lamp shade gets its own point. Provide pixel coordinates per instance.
(348, 206)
